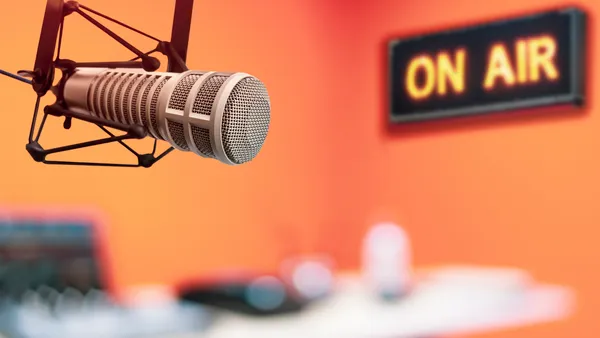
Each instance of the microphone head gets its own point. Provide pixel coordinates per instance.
(246, 119)
(225, 116)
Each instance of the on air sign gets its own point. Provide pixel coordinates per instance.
(521, 63)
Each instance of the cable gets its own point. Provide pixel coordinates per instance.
(15, 76)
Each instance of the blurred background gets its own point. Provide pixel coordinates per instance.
(494, 191)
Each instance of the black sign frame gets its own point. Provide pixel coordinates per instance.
(575, 96)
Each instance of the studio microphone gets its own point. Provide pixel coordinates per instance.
(223, 116)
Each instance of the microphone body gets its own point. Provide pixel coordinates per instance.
(224, 116)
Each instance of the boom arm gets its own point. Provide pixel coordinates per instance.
(180, 34)
(42, 77)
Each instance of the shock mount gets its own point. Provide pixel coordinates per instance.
(43, 75)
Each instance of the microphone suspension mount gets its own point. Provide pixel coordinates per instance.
(43, 75)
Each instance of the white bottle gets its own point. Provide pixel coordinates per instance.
(386, 260)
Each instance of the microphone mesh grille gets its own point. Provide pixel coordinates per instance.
(153, 106)
(176, 131)
(206, 95)
(246, 120)
(128, 92)
(103, 95)
(202, 141)
(134, 98)
(203, 104)
(111, 111)
(182, 91)
(144, 101)
(117, 102)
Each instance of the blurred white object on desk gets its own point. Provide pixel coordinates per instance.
(387, 260)
(439, 304)
(311, 275)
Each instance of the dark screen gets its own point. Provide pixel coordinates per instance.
(54, 253)
(564, 27)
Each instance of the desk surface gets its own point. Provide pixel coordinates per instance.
(450, 303)
(446, 301)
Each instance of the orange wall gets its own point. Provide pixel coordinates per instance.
(495, 191)
(511, 190)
